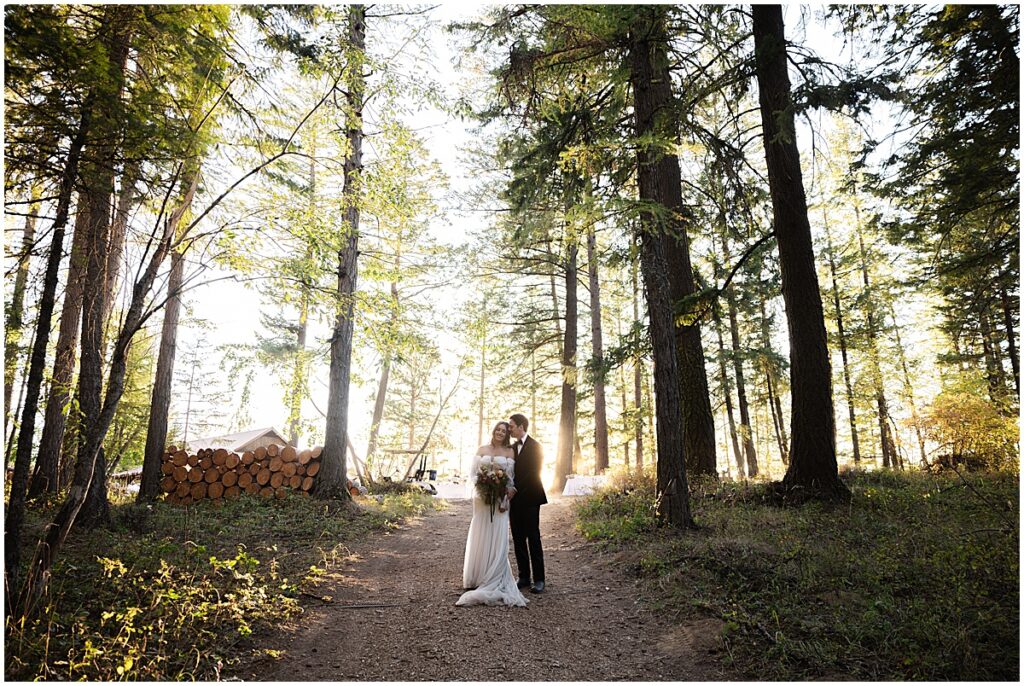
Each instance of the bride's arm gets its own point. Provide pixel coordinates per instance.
(511, 476)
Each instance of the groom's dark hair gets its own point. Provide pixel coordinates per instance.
(521, 420)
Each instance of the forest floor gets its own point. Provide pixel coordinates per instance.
(388, 613)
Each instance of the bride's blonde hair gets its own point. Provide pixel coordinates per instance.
(507, 443)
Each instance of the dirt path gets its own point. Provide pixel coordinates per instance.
(587, 626)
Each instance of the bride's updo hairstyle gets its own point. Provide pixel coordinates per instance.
(507, 443)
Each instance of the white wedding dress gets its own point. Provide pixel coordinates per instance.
(486, 569)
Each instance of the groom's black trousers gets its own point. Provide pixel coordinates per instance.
(525, 522)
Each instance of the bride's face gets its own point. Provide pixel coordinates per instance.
(499, 433)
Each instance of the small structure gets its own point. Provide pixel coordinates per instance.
(240, 442)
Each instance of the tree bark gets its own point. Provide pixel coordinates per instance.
(656, 177)
(638, 374)
(842, 345)
(160, 405)
(600, 412)
(1011, 340)
(414, 393)
(15, 310)
(775, 411)
(44, 476)
(118, 231)
(378, 406)
(554, 308)
(672, 490)
(656, 119)
(19, 482)
(889, 456)
(749, 451)
(382, 385)
(993, 364)
(908, 387)
(812, 466)
(156, 431)
(331, 483)
(483, 382)
(298, 386)
(727, 393)
(567, 413)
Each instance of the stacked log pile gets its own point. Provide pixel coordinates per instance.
(218, 474)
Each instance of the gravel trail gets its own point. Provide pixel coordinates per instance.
(587, 626)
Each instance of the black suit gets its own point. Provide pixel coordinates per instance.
(524, 513)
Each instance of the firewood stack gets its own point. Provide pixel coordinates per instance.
(218, 474)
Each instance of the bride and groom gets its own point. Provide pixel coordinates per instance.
(486, 571)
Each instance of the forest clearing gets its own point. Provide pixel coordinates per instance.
(272, 273)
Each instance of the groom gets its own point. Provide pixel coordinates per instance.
(524, 512)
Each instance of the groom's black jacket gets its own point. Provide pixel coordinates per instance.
(529, 489)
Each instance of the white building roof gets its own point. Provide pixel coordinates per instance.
(234, 442)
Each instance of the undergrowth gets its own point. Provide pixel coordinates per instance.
(169, 593)
(916, 578)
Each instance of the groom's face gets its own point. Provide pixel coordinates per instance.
(517, 431)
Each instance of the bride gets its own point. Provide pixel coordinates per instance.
(486, 569)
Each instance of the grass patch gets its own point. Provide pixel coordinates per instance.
(169, 593)
(916, 578)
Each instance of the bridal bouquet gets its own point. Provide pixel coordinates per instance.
(492, 485)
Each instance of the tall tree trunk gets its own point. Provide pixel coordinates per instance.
(378, 406)
(95, 511)
(567, 413)
(413, 395)
(908, 386)
(382, 385)
(812, 464)
(771, 380)
(638, 375)
(118, 231)
(12, 429)
(672, 490)
(600, 415)
(1011, 340)
(746, 432)
(993, 364)
(44, 476)
(15, 311)
(842, 345)
(656, 119)
(160, 405)
(775, 410)
(533, 380)
(483, 385)
(554, 309)
(88, 493)
(659, 182)
(624, 402)
(298, 385)
(331, 483)
(889, 457)
(26, 428)
(727, 393)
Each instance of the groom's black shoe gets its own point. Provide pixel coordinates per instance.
(522, 583)
(537, 587)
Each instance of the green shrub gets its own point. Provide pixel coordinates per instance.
(621, 509)
(172, 593)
